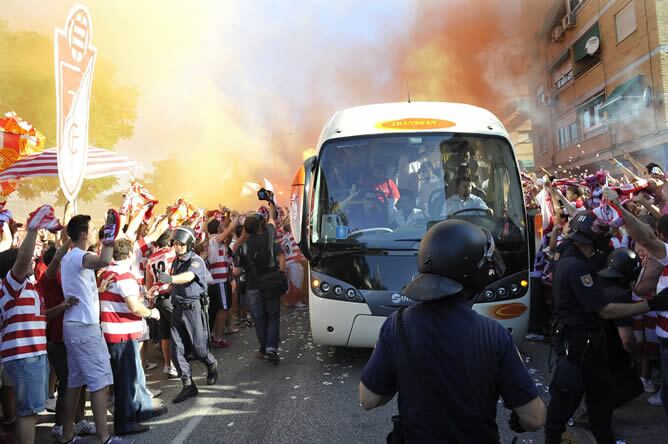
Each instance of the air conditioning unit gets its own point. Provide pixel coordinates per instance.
(557, 33)
(568, 21)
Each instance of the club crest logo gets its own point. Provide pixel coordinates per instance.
(74, 58)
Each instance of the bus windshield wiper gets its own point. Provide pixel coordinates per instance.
(345, 251)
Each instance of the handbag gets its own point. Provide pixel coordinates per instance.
(403, 339)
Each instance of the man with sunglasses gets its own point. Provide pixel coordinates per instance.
(189, 333)
(448, 382)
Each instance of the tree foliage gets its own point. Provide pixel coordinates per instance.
(27, 86)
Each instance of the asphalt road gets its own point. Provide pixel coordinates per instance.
(310, 397)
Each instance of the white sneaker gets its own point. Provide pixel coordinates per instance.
(84, 427)
(51, 405)
(150, 366)
(649, 385)
(57, 432)
(655, 400)
(170, 371)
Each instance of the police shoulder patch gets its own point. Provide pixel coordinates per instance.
(587, 280)
(195, 264)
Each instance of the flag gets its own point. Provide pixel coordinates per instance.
(18, 138)
(135, 198)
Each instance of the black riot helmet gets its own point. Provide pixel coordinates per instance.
(623, 264)
(185, 235)
(455, 256)
(587, 229)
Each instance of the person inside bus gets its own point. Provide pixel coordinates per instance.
(407, 212)
(428, 182)
(464, 199)
(461, 156)
(388, 192)
(372, 213)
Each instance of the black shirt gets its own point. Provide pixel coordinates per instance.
(254, 256)
(469, 360)
(618, 358)
(576, 290)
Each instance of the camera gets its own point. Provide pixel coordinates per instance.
(264, 194)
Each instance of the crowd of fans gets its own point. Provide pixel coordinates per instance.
(642, 190)
(82, 307)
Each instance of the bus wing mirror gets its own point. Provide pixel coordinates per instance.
(300, 208)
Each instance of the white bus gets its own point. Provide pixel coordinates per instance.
(383, 174)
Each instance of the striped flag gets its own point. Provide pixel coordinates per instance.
(44, 217)
(101, 163)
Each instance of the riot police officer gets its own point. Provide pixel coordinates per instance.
(581, 306)
(448, 363)
(616, 280)
(189, 331)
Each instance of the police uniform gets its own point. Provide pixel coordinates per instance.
(449, 390)
(189, 335)
(583, 360)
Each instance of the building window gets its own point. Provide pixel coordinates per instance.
(587, 51)
(562, 74)
(575, 5)
(543, 144)
(573, 129)
(625, 21)
(591, 115)
(540, 96)
(567, 135)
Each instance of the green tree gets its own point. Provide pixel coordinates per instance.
(27, 86)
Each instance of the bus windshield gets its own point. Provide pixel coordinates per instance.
(385, 191)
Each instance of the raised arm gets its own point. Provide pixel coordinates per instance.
(637, 230)
(52, 269)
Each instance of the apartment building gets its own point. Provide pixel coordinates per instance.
(598, 76)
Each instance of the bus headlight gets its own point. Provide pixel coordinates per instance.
(502, 292)
(324, 287)
(514, 289)
(338, 290)
(350, 294)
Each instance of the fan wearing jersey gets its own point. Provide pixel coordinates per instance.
(220, 266)
(121, 314)
(23, 318)
(161, 261)
(293, 266)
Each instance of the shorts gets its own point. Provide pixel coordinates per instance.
(164, 306)
(29, 376)
(87, 356)
(220, 295)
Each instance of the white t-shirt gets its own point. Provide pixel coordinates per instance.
(79, 282)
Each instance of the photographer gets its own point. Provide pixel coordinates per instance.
(264, 262)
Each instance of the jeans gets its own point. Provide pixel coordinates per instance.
(131, 397)
(29, 378)
(267, 316)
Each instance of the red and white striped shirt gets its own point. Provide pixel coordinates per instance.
(160, 261)
(23, 319)
(117, 320)
(142, 252)
(289, 246)
(662, 316)
(219, 260)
